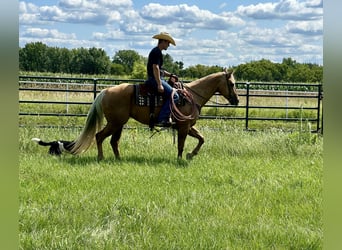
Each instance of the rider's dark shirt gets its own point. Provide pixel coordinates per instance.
(155, 57)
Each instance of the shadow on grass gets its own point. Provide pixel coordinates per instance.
(143, 160)
(155, 161)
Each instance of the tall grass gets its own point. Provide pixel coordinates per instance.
(245, 190)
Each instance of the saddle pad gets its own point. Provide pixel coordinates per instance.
(144, 97)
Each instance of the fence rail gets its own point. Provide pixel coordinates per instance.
(253, 95)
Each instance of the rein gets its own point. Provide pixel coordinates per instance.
(188, 88)
(205, 98)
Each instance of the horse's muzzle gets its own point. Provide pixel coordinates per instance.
(233, 101)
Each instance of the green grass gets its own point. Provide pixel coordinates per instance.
(245, 190)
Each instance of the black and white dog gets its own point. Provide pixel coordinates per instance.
(56, 147)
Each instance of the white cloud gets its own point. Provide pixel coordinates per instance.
(100, 12)
(258, 11)
(284, 9)
(115, 3)
(63, 43)
(267, 38)
(28, 19)
(71, 3)
(109, 36)
(47, 33)
(94, 5)
(188, 16)
(29, 14)
(314, 3)
(132, 23)
(51, 13)
(306, 27)
(114, 16)
(56, 14)
(222, 5)
(276, 44)
(27, 7)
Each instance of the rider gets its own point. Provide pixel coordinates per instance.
(156, 73)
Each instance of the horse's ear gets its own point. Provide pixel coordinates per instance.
(228, 72)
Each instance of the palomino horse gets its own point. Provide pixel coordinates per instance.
(117, 105)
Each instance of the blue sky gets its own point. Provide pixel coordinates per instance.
(215, 32)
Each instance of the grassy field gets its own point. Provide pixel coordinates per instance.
(245, 190)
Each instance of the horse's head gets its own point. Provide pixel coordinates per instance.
(228, 88)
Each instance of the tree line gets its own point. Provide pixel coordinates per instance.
(38, 57)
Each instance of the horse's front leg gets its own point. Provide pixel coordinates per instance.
(195, 133)
(114, 142)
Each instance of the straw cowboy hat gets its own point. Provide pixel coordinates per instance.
(165, 36)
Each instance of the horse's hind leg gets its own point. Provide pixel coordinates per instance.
(114, 141)
(195, 133)
(100, 137)
(182, 134)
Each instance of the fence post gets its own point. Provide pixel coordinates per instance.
(95, 87)
(247, 104)
(66, 96)
(319, 97)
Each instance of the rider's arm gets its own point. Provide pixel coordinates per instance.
(156, 73)
(166, 73)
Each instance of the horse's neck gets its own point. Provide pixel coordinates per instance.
(204, 88)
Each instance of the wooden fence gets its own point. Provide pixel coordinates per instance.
(254, 98)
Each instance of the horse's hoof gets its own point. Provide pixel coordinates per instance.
(189, 156)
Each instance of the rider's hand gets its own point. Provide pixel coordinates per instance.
(174, 78)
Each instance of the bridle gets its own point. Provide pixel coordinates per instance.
(227, 79)
(230, 85)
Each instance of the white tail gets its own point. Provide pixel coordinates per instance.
(93, 125)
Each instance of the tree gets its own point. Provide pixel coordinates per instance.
(90, 61)
(65, 57)
(79, 61)
(289, 62)
(139, 70)
(126, 58)
(53, 63)
(288, 71)
(99, 60)
(172, 67)
(33, 57)
(22, 60)
(117, 69)
(38, 57)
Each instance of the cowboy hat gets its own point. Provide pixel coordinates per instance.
(165, 36)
